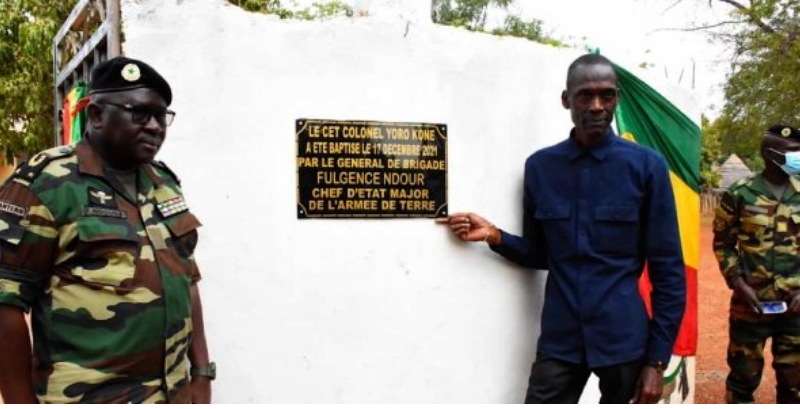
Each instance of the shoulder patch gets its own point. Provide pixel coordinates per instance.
(163, 166)
(30, 170)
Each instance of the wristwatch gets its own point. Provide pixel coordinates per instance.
(659, 366)
(209, 371)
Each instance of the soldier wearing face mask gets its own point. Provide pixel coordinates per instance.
(756, 241)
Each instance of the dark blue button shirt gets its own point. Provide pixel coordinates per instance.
(593, 217)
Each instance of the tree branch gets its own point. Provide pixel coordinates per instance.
(749, 12)
(699, 28)
(672, 6)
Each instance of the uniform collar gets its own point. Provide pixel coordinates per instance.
(151, 174)
(795, 182)
(599, 151)
(760, 185)
(89, 162)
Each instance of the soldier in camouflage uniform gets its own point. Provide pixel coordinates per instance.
(97, 242)
(757, 244)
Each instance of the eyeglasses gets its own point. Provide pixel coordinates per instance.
(141, 115)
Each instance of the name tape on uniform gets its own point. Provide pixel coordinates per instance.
(13, 209)
(104, 212)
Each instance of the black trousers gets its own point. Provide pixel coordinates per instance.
(556, 381)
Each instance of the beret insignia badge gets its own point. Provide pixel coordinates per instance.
(131, 72)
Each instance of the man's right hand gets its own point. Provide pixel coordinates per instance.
(471, 227)
(747, 293)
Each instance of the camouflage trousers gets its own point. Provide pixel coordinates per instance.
(746, 358)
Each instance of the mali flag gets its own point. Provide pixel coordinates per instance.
(72, 115)
(647, 118)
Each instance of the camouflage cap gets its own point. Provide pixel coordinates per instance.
(123, 73)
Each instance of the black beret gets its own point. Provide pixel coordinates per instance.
(784, 131)
(123, 73)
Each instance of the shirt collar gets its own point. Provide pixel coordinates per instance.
(599, 151)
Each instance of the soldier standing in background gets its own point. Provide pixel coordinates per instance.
(97, 242)
(756, 241)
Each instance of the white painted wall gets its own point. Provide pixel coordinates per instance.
(352, 311)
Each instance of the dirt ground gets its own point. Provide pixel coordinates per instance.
(714, 299)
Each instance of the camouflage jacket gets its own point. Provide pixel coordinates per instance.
(758, 236)
(107, 277)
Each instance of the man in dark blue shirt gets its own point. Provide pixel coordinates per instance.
(596, 209)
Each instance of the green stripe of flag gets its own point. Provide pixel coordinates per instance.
(658, 124)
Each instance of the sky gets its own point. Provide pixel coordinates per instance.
(631, 32)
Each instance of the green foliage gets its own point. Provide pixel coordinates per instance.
(27, 28)
(764, 85)
(756, 164)
(471, 14)
(532, 30)
(516, 27)
(261, 6)
(711, 154)
(321, 11)
(317, 11)
(465, 13)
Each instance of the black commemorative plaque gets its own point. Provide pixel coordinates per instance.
(371, 169)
